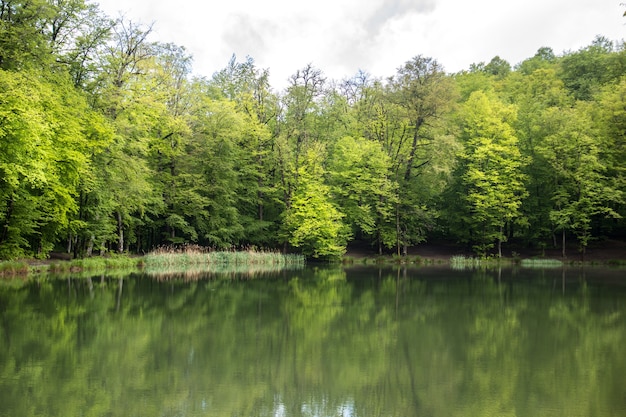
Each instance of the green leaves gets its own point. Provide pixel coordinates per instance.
(42, 157)
(492, 169)
(581, 191)
(116, 146)
(313, 223)
(360, 173)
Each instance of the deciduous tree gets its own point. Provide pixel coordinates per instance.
(492, 170)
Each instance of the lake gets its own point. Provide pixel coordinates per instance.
(322, 341)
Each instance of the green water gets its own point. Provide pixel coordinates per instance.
(317, 342)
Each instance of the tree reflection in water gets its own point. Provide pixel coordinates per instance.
(316, 342)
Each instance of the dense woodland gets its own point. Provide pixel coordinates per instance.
(109, 144)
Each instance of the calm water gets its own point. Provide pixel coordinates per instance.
(318, 342)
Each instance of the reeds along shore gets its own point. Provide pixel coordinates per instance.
(196, 256)
(163, 258)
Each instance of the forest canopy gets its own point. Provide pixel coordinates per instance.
(109, 144)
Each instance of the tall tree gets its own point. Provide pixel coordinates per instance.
(491, 171)
(301, 107)
(423, 94)
(248, 87)
(218, 128)
(313, 223)
(24, 41)
(582, 191)
(123, 96)
(44, 141)
(585, 71)
(534, 94)
(360, 173)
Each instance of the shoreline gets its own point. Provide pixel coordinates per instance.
(609, 251)
(604, 253)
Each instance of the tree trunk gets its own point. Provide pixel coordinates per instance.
(583, 249)
(7, 219)
(563, 243)
(90, 245)
(76, 247)
(409, 165)
(398, 230)
(120, 233)
(260, 195)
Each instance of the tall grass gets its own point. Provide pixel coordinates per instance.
(94, 264)
(541, 263)
(222, 271)
(461, 262)
(195, 256)
(13, 268)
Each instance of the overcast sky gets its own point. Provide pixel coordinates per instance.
(342, 36)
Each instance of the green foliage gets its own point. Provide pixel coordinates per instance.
(313, 223)
(534, 94)
(492, 172)
(116, 148)
(43, 146)
(581, 189)
(24, 41)
(584, 72)
(360, 176)
(543, 59)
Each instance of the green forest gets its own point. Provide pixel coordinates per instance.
(109, 144)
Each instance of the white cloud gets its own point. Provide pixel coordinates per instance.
(341, 36)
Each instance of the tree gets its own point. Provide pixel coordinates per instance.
(582, 192)
(218, 128)
(360, 173)
(43, 156)
(609, 117)
(587, 70)
(492, 170)
(533, 94)
(124, 97)
(248, 87)
(313, 223)
(23, 34)
(543, 59)
(82, 48)
(422, 94)
(301, 107)
(497, 67)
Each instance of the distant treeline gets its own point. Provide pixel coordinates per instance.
(107, 143)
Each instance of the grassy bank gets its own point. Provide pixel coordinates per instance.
(181, 259)
(88, 265)
(13, 268)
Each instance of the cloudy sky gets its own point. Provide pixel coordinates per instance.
(342, 36)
